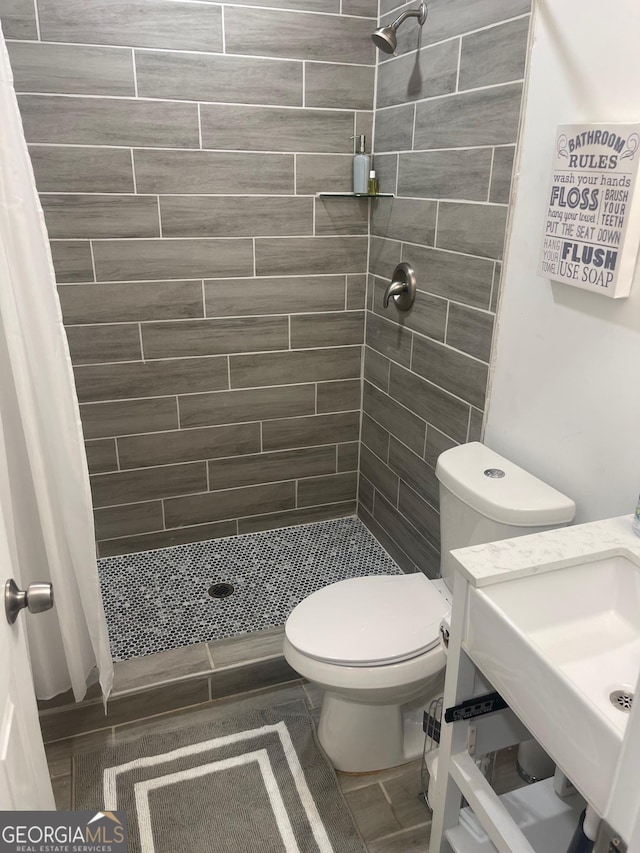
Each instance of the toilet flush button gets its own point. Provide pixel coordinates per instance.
(494, 473)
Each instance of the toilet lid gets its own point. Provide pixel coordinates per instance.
(368, 621)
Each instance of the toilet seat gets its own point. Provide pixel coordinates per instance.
(369, 621)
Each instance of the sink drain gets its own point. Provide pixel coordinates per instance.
(221, 590)
(622, 699)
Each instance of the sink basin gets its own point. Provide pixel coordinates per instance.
(557, 644)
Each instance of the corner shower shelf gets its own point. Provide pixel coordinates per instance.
(354, 195)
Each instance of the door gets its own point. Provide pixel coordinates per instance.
(24, 775)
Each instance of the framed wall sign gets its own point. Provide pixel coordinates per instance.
(592, 224)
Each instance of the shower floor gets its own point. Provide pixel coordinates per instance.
(159, 600)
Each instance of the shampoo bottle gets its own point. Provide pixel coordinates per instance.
(361, 166)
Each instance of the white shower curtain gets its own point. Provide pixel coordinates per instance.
(45, 495)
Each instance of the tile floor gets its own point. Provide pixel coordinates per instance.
(385, 805)
(158, 600)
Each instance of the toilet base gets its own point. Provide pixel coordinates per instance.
(363, 738)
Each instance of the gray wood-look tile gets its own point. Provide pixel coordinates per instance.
(101, 455)
(18, 19)
(308, 515)
(72, 260)
(291, 295)
(81, 170)
(452, 276)
(248, 647)
(376, 368)
(320, 365)
(388, 543)
(62, 119)
(275, 129)
(416, 838)
(125, 487)
(476, 420)
(59, 752)
(102, 344)
(128, 520)
(384, 256)
(62, 793)
(366, 8)
(330, 329)
(213, 172)
(428, 73)
(129, 260)
(95, 383)
(72, 69)
(439, 408)
(257, 216)
(470, 330)
(229, 503)
(215, 337)
(310, 431)
(317, 173)
(372, 812)
(485, 117)
(129, 416)
(375, 437)
(131, 301)
(501, 175)
(232, 680)
(389, 338)
(260, 32)
(164, 448)
(424, 556)
(271, 467)
(170, 666)
(231, 407)
(138, 23)
(427, 315)
(308, 255)
(348, 456)
(395, 418)
(341, 216)
(394, 129)
(356, 291)
(412, 220)
(422, 479)
(223, 79)
(497, 282)
(403, 791)
(445, 174)
(94, 216)
(339, 396)
(334, 488)
(345, 87)
(299, 5)
(167, 538)
(437, 443)
(366, 494)
(496, 55)
(387, 172)
(477, 229)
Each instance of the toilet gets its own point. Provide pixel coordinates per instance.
(373, 643)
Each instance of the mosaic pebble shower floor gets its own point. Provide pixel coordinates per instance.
(158, 600)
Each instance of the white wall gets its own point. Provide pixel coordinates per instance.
(565, 395)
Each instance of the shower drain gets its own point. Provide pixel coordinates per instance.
(622, 699)
(221, 590)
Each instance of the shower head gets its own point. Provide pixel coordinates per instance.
(385, 38)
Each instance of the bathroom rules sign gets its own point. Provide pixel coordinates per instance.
(592, 224)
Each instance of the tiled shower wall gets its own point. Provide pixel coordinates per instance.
(214, 305)
(446, 121)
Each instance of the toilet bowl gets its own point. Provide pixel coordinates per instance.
(372, 643)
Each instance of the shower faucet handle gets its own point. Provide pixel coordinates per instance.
(402, 288)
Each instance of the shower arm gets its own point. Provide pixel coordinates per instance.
(420, 13)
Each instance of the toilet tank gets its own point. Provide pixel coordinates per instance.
(484, 497)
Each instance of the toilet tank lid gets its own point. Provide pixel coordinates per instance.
(517, 498)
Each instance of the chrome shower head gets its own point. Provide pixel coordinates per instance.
(385, 38)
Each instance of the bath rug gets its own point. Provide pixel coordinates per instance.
(256, 783)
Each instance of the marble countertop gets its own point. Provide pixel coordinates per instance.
(483, 565)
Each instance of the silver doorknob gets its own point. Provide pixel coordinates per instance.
(37, 598)
(402, 288)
